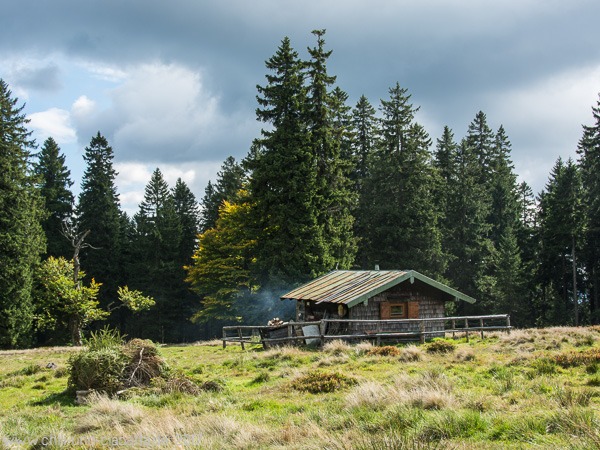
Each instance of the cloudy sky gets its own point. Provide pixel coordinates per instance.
(172, 84)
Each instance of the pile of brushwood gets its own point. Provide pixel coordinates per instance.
(110, 365)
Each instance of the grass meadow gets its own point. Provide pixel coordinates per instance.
(537, 389)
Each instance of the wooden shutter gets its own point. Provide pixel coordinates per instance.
(413, 310)
(385, 310)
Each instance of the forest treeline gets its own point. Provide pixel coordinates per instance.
(326, 185)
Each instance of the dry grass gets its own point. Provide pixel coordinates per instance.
(337, 347)
(285, 352)
(427, 391)
(386, 350)
(109, 415)
(210, 343)
(363, 347)
(411, 353)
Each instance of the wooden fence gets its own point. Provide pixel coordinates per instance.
(379, 330)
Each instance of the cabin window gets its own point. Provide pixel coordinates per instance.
(397, 310)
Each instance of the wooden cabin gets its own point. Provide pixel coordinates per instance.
(374, 295)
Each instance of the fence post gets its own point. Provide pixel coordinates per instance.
(241, 338)
(453, 328)
(422, 331)
(508, 323)
(481, 326)
(224, 337)
(467, 329)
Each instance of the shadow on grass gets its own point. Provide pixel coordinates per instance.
(64, 398)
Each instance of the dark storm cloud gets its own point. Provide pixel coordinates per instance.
(38, 78)
(455, 57)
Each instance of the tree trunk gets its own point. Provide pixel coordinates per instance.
(575, 299)
(75, 327)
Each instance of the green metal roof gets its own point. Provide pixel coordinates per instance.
(351, 287)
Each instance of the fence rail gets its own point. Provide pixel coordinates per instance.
(318, 332)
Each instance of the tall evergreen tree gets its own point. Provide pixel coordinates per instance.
(282, 182)
(502, 182)
(229, 181)
(335, 198)
(402, 229)
(467, 229)
(561, 225)
(589, 154)
(160, 272)
(55, 186)
(445, 164)
(98, 211)
(481, 141)
(186, 208)
(22, 238)
(364, 129)
(364, 125)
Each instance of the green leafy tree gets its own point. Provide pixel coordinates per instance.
(64, 301)
(55, 187)
(22, 238)
(221, 271)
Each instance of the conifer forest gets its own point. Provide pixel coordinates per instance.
(326, 185)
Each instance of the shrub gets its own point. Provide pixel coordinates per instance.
(317, 382)
(100, 370)
(104, 338)
(107, 365)
(440, 345)
(386, 350)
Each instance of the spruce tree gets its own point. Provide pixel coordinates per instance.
(186, 208)
(55, 183)
(561, 225)
(364, 128)
(467, 230)
(502, 182)
(445, 165)
(22, 238)
(402, 220)
(335, 198)
(98, 211)
(159, 270)
(229, 181)
(282, 182)
(589, 154)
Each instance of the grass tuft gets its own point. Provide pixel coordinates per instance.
(317, 382)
